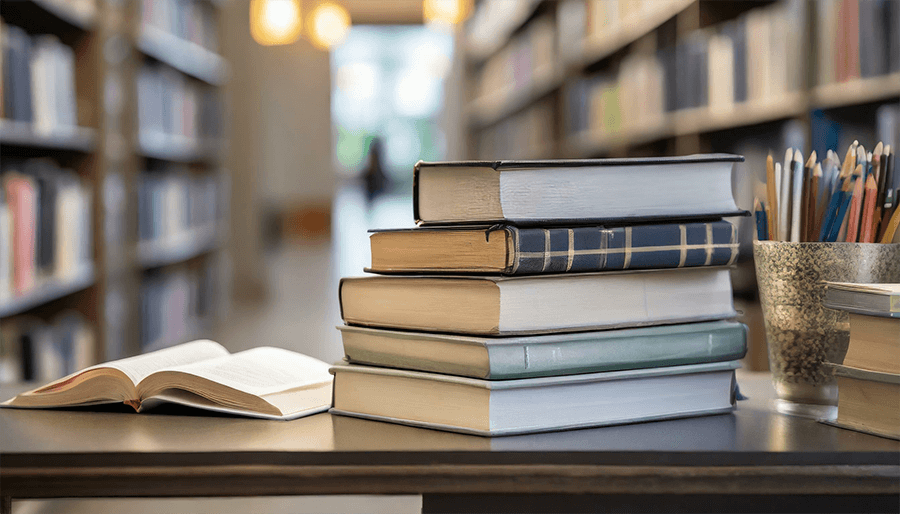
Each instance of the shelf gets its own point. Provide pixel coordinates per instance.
(22, 135)
(487, 111)
(598, 48)
(498, 36)
(199, 328)
(856, 92)
(185, 56)
(47, 16)
(52, 289)
(153, 254)
(176, 148)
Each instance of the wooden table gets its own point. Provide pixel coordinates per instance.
(752, 460)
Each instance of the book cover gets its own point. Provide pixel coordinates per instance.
(502, 358)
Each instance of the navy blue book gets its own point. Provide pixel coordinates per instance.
(511, 250)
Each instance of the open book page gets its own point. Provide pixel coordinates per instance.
(139, 367)
(261, 371)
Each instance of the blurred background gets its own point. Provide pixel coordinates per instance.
(183, 169)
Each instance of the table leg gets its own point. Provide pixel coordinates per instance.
(5, 504)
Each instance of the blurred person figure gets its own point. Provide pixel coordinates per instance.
(375, 179)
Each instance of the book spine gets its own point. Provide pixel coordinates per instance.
(585, 249)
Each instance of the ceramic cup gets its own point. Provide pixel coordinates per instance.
(801, 333)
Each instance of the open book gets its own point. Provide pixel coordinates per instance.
(269, 383)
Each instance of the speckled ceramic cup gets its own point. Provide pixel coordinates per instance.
(802, 333)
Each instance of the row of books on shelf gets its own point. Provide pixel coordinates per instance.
(713, 69)
(45, 225)
(526, 134)
(33, 349)
(38, 80)
(174, 110)
(176, 206)
(857, 38)
(176, 305)
(558, 303)
(530, 57)
(191, 20)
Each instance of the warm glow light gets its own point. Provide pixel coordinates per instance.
(446, 11)
(275, 22)
(328, 25)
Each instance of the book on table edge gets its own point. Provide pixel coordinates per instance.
(502, 358)
(511, 250)
(535, 304)
(867, 401)
(264, 382)
(509, 407)
(575, 191)
(868, 299)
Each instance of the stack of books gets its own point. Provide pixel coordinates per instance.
(869, 377)
(547, 295)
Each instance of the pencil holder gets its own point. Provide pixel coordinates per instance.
(801, 333)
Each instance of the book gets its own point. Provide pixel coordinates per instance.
(575, 191)
(269, 383)
(867, 401)
(502, 358)
(874, 343)
(869, 299)
(495, 305)
(32, 349)
(511, 250)
(507, 407)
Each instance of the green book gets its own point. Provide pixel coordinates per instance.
(499, 358)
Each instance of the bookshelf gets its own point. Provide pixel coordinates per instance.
(639, 78)
(100, 148)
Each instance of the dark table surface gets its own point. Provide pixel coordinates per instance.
(54, 453)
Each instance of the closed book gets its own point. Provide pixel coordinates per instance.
(575, 191)
(502, 358)
(874, 343)
(507, 407)
(494, 305)
(868, 299)
(867, 401)
(21, 195)
(6, 254)
(511, 250)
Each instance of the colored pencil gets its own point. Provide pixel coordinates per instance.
(784, 202)
(871, 194)
(806, 216)
(797, 197)
(813, 221)
(771, 197)
(843, 203)
(762, 231)
(879, 188)
(854, 178)
(855, 210)
(888, 214)
(890, 233)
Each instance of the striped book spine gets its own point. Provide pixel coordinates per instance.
(584, 249)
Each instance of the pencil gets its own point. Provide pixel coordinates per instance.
(808, 200)
(889, 212)
(843, 203)
(855, 210)
(784, 202)
(890, 232)
(813, 221)
(866, 235)
(771, 197)
(879, 188)
(797, 197)
(854, 178)
(762, 231)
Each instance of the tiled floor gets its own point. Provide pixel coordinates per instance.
(300, 315)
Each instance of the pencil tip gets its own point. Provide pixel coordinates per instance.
(812, 160)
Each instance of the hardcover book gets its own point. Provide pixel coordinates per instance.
(868, 299)
(506, 407)
(596, 191)
(494, 305)
(867, 401)
(511, 250)
(502, 358)
(269, 383)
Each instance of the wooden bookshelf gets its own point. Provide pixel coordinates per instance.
(176, 149)
(153, 254)
(75, 139)
(856, 92)
(48, 291)
(484, 112)
(185, 56)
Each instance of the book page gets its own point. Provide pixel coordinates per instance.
(889, 289)
(139, 367)
(261, 371)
